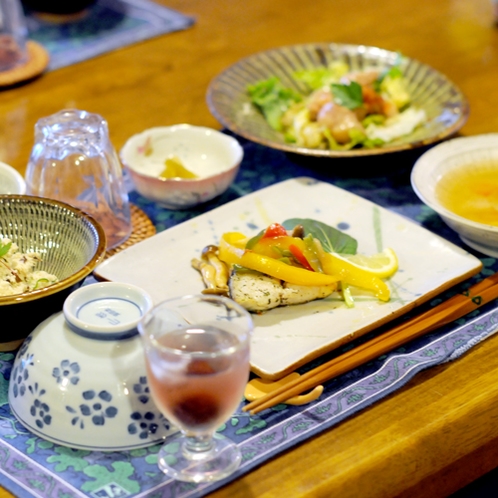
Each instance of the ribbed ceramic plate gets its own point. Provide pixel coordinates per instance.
(446, 107)
(287, 337)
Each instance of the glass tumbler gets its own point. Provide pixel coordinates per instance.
(13, 35)
(72, 160)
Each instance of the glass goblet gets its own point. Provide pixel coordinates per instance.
(197, 358)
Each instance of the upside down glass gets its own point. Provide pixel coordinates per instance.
(73, 160)
(197, 357)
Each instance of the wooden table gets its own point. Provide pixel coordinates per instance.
(438, 433)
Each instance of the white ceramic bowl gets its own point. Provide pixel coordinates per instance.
(210, 154)
(11, 181)
(79, 379)
(445, 158)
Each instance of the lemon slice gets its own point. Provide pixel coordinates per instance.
(382, 265)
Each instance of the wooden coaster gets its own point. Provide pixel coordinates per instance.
(37, 62)
(142, 228)
(61, 18)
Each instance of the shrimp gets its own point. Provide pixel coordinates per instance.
(361, 77)
(317, 100)
(339, 120)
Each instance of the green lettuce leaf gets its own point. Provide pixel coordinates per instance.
(273, 99)
(318, 77)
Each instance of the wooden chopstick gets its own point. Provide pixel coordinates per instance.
(448, 311)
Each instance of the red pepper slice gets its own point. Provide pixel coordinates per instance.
(275, 230)
(300, 257)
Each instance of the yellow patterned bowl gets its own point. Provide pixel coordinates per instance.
(445, 106)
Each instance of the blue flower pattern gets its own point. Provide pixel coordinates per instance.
(146, 423)
(142, 390)
(96, 406)
(66, 372)
(20, 375)
(39, 410)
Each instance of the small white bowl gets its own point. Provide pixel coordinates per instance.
(79, 379)
(441, 160)
(210, 154)
(11, 181)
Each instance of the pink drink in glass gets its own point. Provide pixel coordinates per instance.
(201, 391)
(197, 356)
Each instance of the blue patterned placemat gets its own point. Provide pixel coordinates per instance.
(106, 26)
(30, 466)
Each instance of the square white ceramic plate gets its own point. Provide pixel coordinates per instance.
(287, 337)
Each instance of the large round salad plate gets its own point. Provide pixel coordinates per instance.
(445, 106)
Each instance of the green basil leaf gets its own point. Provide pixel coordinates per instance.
(349, 96)
(332, 240)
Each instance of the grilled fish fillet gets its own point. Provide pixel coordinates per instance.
(258, 292)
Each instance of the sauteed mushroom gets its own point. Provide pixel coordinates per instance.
(214, 272)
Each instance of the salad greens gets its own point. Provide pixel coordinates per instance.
(318, 77)
(370, 104)
(273, 99)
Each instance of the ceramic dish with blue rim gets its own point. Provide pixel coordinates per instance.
(446, 108)
(285, 338)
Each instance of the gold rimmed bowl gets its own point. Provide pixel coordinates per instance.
(70, 244)
(445, 105)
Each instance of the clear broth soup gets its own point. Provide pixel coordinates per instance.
(471, 191)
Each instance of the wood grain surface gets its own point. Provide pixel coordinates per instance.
(440, 431)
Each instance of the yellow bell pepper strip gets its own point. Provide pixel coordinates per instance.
(231, 247)
(283, 271)
(352, 275)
